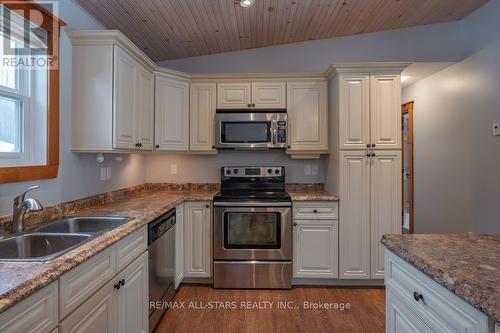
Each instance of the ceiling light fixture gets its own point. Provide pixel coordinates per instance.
(247, 3)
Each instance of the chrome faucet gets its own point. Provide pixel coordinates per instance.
(23, 205)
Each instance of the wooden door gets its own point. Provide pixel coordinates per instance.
(408, 168)
(315, 253)
(124, 100)
(385, 206)
(269, 95)
(354, 111)
(197, 239)
(234, 95)
(354, 221)
(307, 104)
(385, 115)
(202, 108)
(171, 114)
(132, 299)
(144, 112)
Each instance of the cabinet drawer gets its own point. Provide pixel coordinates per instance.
(444, 310)
(81, 282)
(37, 313)
(131, 247)
(321, 210)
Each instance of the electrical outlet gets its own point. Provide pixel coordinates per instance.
(496, 129)
(108, 173)
(103, 173)
(307, 170)
(314, 170)
(173, 169)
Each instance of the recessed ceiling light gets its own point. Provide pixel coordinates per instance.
(247, 3)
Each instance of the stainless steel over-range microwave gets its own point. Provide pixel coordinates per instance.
(249, 129)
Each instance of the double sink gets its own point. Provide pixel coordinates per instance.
(54, 239)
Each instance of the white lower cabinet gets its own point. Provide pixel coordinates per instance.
(37, 313)
(315, 239)
(179, 245)
(197, 239)
(416, 303)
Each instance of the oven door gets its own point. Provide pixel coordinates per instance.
(245, 130)
(252, 233)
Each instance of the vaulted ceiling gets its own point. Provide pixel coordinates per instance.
(169, 29)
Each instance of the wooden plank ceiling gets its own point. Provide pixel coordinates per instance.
(170, 29)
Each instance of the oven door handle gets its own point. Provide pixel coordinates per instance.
(252, 204)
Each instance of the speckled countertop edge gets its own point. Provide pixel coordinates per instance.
(312, 196)
(485, 298)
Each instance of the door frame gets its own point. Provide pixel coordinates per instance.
(407, 108)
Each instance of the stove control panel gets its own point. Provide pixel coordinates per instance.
(252, 172)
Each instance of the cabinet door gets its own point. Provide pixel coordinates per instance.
(202, 112)
(385, 92)
(179, 245)
(171, 115)
(354, 226)
(124, 100)
(234, 95)
(197, 239)
(97, 314)
(315, 253)
(385, 207)
(270, 95)
(307, 116)
(144, 112)
(354, 111)
(132, 299)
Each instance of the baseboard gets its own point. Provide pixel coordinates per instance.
(296, 282)
(197, 280)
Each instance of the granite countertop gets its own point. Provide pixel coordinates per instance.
(467, 265)
(306, 195)
(19, 280)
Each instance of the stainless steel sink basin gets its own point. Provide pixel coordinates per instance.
(90, 224)
(38, 246)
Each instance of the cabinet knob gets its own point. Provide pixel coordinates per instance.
(157, 146)
(249, 105)
(315, 211)
(213, 146)
(417, 296)
(253, 105)
(368, 154)
(140, 144)
(373, 154)
(289, 146)
(373, 145)
(137, 144)
(367, 145)
(207, 206)
(295, 224)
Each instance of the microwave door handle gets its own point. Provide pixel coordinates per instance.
(274, 127)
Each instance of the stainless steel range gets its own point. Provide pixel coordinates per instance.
(252, 229)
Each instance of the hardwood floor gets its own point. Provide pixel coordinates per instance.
(228, 314)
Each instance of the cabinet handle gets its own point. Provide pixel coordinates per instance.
(137, 144)
(417, 296)
(315, 211)
(368, 154)
(213, 146)
(207, 206)
(367, 145)
(140, 144)
(120, 283)
(157, 146)
(295, 224)
(373, 145)
(373, 154)
(289, 146)
(249, 105)
(253, 105)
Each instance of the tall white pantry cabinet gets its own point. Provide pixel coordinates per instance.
(365, 122)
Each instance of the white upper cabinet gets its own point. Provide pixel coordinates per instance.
(385, 92)
(112, 94)
(144, 115)
(369, 110)
(307, 105)
(202, 108)
(354, 120)
(171, 114)
(234, 95)
(271, 95)
(125, 73)
(385, 207)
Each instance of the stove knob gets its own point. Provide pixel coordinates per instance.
(277, 171)
(235, 171)
(228, 172)
(269, 171)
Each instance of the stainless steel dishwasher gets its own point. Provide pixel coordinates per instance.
(161, 243)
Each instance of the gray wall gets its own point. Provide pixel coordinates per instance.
(457, 159)
(438, 42)
(78, 173)
(196, 168)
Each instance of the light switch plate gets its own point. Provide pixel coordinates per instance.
(496, 129)
(108, 173)
(307, 170)
(173, 169)
(103, 173)
(314, 170)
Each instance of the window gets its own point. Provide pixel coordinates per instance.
(29, 91)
